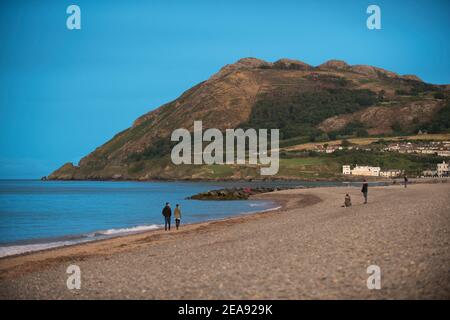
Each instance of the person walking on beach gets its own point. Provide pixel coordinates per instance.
(406, 181)
(167, 212)
(177, 215)
(365, 190)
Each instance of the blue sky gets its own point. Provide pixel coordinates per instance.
(65, 92)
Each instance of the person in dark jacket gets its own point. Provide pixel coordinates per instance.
(167, 213)
(365, 190)
(406, 181)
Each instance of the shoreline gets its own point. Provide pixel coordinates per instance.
(82, 239)
(119, 241)
(102, 235)
(281, 205)
(311, 248)
(252, 180)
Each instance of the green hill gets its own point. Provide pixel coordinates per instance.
(306, 103)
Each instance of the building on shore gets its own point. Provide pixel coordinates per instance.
(346, 170)
(366, 171)
(370, 171)
(429, 173)
(361, 171)
(442, 169)
(392, 173)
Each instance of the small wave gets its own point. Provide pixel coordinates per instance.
(259, 204)
(271, 209)
(19, 249)
(24, 248)
(264, 210)
(126, 230)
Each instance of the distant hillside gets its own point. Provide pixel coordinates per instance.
(306, 103)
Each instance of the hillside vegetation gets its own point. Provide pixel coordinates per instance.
(329, 102)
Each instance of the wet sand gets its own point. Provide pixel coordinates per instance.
(312, 248)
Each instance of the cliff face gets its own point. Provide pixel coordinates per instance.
(241, 94)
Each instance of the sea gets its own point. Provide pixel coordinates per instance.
(37, 215)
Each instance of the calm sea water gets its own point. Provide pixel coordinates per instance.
(36, 214)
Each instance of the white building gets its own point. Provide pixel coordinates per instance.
(429, 173)
(366, 171)
(390, 173)
(442, 169)
(361, 171)
(346, 170)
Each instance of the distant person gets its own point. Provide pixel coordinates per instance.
(177, 216)
(347, 201)
(406, 181)
(167, 212)
(365, 190)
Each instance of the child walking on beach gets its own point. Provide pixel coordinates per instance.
(177, 216)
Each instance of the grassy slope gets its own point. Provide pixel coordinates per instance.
(369, 140)
(330, 165)
(295, 163)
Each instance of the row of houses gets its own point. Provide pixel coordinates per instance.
(327, 149)
(370, 171)
(442, 170)
(332, 148)
(439, 148)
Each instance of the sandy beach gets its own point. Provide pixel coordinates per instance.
(311, 248)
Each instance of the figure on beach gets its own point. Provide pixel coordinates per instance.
(177, 216)
(347, 201)
(406, 181)
(167, 213)
(365, 190)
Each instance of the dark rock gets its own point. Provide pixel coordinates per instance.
(234, 193)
